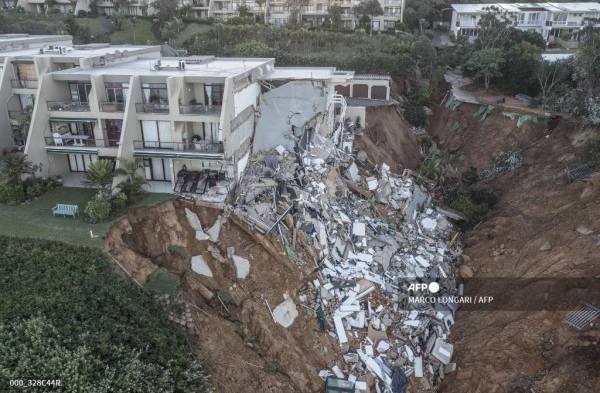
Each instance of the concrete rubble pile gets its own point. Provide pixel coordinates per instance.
(372, 233)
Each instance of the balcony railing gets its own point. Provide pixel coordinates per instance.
(79, 141)
(198, 109)
(68, 106)
(18, 115)
(113, 106)
(24, 83)
(199, 147)
(151, 108)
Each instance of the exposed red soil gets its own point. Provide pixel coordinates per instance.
(236, 338)
(525, 351)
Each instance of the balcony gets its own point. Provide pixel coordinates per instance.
(112, 107)
(76, 141)
(199, 110)
(24, 83)
(68, 106)
(190, 147)
(152, 108)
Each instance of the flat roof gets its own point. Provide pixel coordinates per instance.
(79, 51)
(296, 73)
(517, 7)
(24, 38)
(207, 66)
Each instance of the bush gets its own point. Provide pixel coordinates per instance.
(98, 209)
(591, 149)
(119, 201)
(12, 194)
(177, 250)
(415, 114)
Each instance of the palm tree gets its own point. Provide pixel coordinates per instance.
(132, 184)
(14, 166)
(100, 174)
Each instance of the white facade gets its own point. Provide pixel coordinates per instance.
(551, 20)
(276, 12)
(191, 121)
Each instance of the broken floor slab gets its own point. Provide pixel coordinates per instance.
(285, 313)
(200, 266)
(242, 266)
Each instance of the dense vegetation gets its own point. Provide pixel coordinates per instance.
(66, 316)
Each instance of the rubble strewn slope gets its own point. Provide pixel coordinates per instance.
(543, 226)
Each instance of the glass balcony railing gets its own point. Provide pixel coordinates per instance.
(198, 109)
(24, 83)
(79, 141)
(68, 106)
(113, 107)
(199, 147)
(152, 108)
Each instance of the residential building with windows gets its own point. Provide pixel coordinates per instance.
(554, 21)
(192, 122)
(24, 59)
(275, 12)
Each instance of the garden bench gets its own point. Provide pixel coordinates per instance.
(65, 210)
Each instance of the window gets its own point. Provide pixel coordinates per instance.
(533, 18)
(80, 162)
(80, 91)
(26, 101)
(113, 131)
(216, 94)
(116, 92)
(157, 169)
(73, 127)
(157, 134)
(155, 93)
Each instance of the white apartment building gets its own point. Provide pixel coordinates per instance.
(276, 12)
(24, 59)
(553, 21)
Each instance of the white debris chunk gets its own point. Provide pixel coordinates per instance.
(428, 223)
(418, 367)
(242, 266)
(383, 346)
(200, 266)
(359, 229)
(285, 313)
(442, 351)
(372, 183)
(340, 331)
(215, 230)
(338, 373)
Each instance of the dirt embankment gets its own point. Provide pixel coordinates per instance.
(543, 227)
(388, 139)
(236, 337)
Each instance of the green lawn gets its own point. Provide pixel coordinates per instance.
(35, 219)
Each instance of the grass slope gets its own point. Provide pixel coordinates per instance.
(64, 315)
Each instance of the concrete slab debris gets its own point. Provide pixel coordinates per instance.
(242, 266)
(200, 266)
(443, 351)
(215, 230)
(285, 313)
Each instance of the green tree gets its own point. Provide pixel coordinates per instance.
(253, 48)
(550, 75)
(486, 64)
(494, 31)
(132, 182)
(519, 73)
(366, 10)
(100, 175)
(14, 167)
(335, 15)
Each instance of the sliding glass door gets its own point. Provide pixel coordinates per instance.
(157, 134)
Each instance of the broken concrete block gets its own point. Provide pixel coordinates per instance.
(429, 224)
(200, 266)
(280, 150)
(372, 183)
(285, 313)
(242, 266)
(383, 346)
(352, 172)
(215, 230)
(418, 363)
(359, 229)
(337, 372)
(340, 331)
(193, 219)
(584, 230)
(442, 351)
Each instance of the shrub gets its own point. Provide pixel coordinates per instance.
(415, 114)
(119, 201)
(98, 209)
(177, 250)
(12, 194)
(591, 149)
